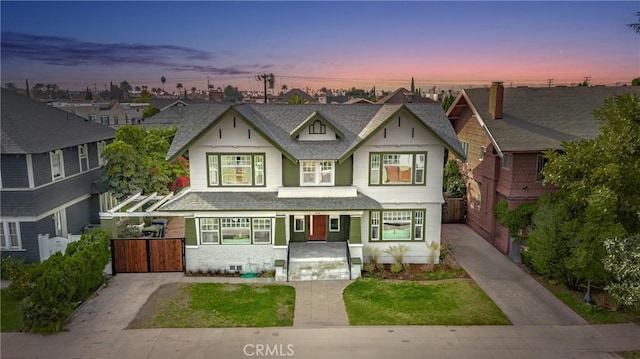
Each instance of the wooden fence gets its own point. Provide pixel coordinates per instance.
(142, 255)
(454, 210)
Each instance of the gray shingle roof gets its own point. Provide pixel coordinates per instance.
(277, 121)
(265, 201)
(29, 126)
(541, 118)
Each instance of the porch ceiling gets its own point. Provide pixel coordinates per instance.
(265, 201)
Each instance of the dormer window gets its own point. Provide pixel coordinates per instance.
(317, 128)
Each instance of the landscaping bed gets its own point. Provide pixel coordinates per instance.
(214, 305)
(414, 272)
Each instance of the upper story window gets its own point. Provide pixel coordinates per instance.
(83, 157)
(101, 146)
(236, 169)
(317, 173)
(92, 118)
(507, 158)
(317, 128)
(104, 119)
(465, 148)
(483, 150)
(115, 120)
(10, 235)
(540, 163)
(57, 164)
(397, 168)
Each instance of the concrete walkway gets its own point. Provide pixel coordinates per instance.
(521, 298)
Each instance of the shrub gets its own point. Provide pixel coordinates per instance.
(434, 252)
(453, 184)
(64, 281)
(11, 267)
(374, 254)
(369, 267)
(398, 252)
(623, 261)
(396, 268)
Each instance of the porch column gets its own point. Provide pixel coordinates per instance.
(355, 232)
(109, 225)
(190, 232)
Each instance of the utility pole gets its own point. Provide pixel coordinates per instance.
(549, 82)
(586, 80)
(266, 78)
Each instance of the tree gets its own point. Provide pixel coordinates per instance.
(11, 86)
(623, 262)
(599, 180)
(163, 80)
(136, 162)
(447, 102)
(635, 82)
(125, 88)
(193, 90)
(296, 100)
(138, 88)
(284, 89)
(88, 95)
(636, 26)
(231, 94)
(453, 184)
(149, 111)
(413, 86)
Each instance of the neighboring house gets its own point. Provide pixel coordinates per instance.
(166, 103)
(402, 95)
(504, 132)
(49, 174)
(105, 113)
(358, 101)
(266, 176)
(133, 111)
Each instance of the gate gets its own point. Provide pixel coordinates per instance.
(454, 210)
(143, 255)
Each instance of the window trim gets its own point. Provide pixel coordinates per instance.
(253, 230)
(379, 217)
(60, 155)
(105, 117)
(465, 149)
(100, 149)
(334, 217)
(5, 240)
(380, 162)
(218, 171)
(218, 226)
(318, 173)
(215, 223)
(304, 227)
(541, 162)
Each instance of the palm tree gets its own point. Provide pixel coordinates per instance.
(193, 89)
(297, 100)
(163, 80)
(179, 87)
(636, 26)
(284, 88)
(137, 88)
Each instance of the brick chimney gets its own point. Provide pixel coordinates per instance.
(496, 99)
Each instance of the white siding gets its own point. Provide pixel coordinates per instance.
(234, 140)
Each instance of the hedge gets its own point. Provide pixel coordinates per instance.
(59, 284)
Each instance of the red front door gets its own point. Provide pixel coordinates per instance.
(317, 230)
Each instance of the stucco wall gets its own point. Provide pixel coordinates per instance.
(215, 256)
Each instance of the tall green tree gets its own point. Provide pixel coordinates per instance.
(163, 80)
(136, 162)
(636, 25)
(599, 180)
(231, 94)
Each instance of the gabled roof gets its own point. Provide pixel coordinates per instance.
(358, 101)
(402, 95)
(29, 126)
(313, 117)
(276, 122)
(165, 103)
(536, 119)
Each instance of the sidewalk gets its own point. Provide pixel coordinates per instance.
(340, 342)
(521, 298)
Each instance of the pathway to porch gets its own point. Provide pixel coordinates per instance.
(319, 304)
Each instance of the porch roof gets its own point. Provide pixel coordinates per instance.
(265, 201)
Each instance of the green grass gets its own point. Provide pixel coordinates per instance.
(11, 320)
(444, 274)
(591, 313)
(630, 355)
(212, 305)
(461, 302)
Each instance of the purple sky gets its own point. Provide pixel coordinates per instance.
(316, 44)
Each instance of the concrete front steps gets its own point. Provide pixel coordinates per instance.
(318, 261)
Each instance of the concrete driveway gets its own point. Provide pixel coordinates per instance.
(521, 298)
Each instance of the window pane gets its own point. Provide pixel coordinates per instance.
(236, 170)
(2, 237)
(13, 235)
(419, 223)
(299, 224)
(213, 170)
(375, 225)
(259, 167)
(334, 223)
(309, 172)
(396, 225)
(420, 168)
(262, 230)
(209, 230)
(326, 172)
(398, 168)
(236, 230)
(374, 172)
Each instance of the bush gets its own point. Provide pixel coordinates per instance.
(64, 281)
(453, 184)
(396, 268)
(11, 267)
(398, 252)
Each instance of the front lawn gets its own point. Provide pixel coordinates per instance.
(11, 320)
(213, 305)
(458, 302)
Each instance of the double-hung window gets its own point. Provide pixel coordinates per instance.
(397, 168)
(57, 164)
(397, 225)
(83, 156)
(209, 230)
(10, 235)
(104, 119)
(235, 230)
(507, 158)
(262, 230)
(247, 169)
(317, 173)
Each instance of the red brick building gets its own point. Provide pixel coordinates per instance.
(504, 132)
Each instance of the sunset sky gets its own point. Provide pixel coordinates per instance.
(316, 44)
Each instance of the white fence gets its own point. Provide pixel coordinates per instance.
(49, 246)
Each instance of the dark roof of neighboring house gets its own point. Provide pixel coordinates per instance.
(163, 103)
(296, 92)
(265, 201)
(541, 118)
(277, 121)
(402, 95)
(29, 126)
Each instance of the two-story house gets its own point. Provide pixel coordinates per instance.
(504, 132)
(48, 174)
(267, 177)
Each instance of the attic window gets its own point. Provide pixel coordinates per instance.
(318, 128)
